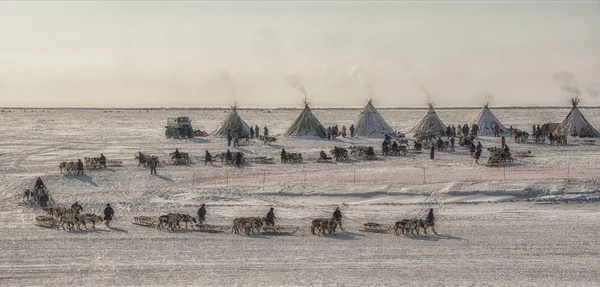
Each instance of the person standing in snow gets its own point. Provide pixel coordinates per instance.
(229, 138)
(432, 153)
(352, 131)
(337, 216)
(201, 214)
(251, 132)
(503, 140)
(452, 143)
(256, 130)
(109, 214)
(431, 220)
(153, 165)
(208, 157)
(266, 131)
(238, 159)
(79, 167)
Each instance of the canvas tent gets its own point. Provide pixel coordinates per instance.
(430, 124)
(233, 122)
(306, 124)
(486, 121)
(575, 124)
(369, 123)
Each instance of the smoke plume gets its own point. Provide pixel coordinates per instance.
(567, 82)
(357, 72)
(296, 83)
(228, 79)
(429, 97)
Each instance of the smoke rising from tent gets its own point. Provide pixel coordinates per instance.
(567, 82)
(357, 72)
(228, 79)
(489, 97)
(429, 97)
(296, 83)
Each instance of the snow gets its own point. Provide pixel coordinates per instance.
(533, 223)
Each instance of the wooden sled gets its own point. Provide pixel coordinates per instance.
(523, 154)
(263, 160)
(143, 221)
(114, 163)
(209, 228)
(328, 160)
(45, 221)
(376, 227)
(279, 230)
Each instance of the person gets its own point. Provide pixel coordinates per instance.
(229, 138)
(510, 130)
(251, 132)
(329, 132)
(431, 220)
(283, 154)
(323, 155)
(236, 140)
(238, 159)
(256, 130)
(394, 146)
(270, 219)
(452, 143)
(503, 140)
(201, 213)
(79, 167)
(102, 161)
(177, 155)
(506, 149)
(582, 132)
(153, 164)
(109, 214)
(76, 207)
(39, 184)
(440, 143)
(497, 130)
(208, 157)
(432, 153)
(550, 137)
(337, 216)
(479, 145)
(266, 131)
(385, 146)
(477, 155)
(453, 131)
(344, 130)
(533, 133)
(228, 157)
(352, 131)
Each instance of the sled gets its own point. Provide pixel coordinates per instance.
(376, 227)
(279, 230)
(143, 221)
(209, 228)
(523, 154)
(45, 221)
(114, 163)
(328, 160)
(263, 160)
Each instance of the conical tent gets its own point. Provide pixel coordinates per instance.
(575, 123)
(486, 121)
(369, 123)
(306, 124)
(430, 124)
(233, 122)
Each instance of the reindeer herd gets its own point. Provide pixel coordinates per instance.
(67, 218)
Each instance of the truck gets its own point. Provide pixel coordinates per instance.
(179, 127)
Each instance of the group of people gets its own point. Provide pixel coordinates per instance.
(255, 131)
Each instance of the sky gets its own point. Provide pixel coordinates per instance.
(273, 54)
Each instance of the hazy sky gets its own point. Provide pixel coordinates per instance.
(140, 54)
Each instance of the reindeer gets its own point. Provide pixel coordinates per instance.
(87, 218)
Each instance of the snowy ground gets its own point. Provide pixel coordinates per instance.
(531, 224)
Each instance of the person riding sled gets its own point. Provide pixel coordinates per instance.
(270, 219)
